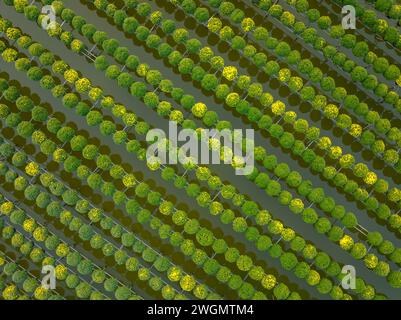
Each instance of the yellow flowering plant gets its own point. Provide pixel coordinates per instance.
(187, 283)
(153, 163)
(32, 169)
(355, 130)
(346, 242)
(335, 152)
(278, 108)
(129, 180)
(6, 207)
(230, 73)
(370, 178)
(284, 75)
(371, 261)
(214, 24)
(41, 293)
(62, 250)
(199, 109)
(174, 274)
(313, 278)
(269, 281)
(142, 70)
(77, 45)
(61, 272)
(40, 234)
(247, 24)
(29, 225)
(71, 75)
(9, 55)
(118, 110)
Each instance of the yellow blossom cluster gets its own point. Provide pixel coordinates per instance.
(71, 75)
(346, 242)
(269, 281)
(230, 73)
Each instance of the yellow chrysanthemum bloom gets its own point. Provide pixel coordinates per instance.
(269, 281)
(355, 130)
(200, 291)
(290, 117)
(48, 261)
(129, 119)
(370, 178)
(168, 291)
(20, 5)
(174, 274)
(13, 33)
(187, 283)
(381, 25)
(62, 250)
(129, 180)
(347, 160)
(9, 55)
(108, 102)
(71, 75)
(10, 292)
(266, 99)
(216, 208)
(59, 155)
(41, 293)
(346, 242)
(6, 207)
(230, 73)
(143, 274)
(166, 208)
(278, 226)
(54, 29)
(371, 261)
(61, 272)
(199, 109)
(95, 94)
(40, 234)
(278, 108)
(288, 234)
(32, 169)
(313, 278)
(247, 24)
(29, 225)
(153, 163)
(324, 143)
(77, 45)
(177, 116)
(284, 75)
(331, 111)
(142, 70)
(288, 17)
(119, 110)
(368, 293)
(214, 24)
(38, 137)
(335, 152)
